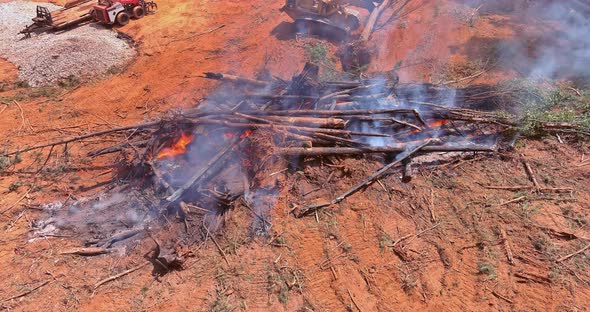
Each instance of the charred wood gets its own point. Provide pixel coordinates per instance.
(329, 122)
(294, 128)
(407, 171)
(235, 79)
(117, 148)
(207, 171)
(366, 182)
(323, 151)
(333, 113)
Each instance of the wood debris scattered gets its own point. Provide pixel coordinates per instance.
(117, 276)
(24, 293)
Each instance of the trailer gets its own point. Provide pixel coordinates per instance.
(79, 12)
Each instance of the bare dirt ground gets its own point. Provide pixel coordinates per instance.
(455, 232)
(9, 72)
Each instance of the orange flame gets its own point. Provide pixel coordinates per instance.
(433, 124)
(246, 134)
(178, 148)
(438, 123)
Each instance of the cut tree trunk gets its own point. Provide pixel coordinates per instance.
(373, 20)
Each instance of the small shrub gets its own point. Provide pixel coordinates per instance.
(6, 162)
(384, 242)
(277, 285)
(540, 103)
(541, 242)
(43, 92)
(21, 84)
(221, 304)
(13, 187)
(319, 53)
(70, 82)
(486, 268)
(114, 70)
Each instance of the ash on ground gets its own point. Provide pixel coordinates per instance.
(85, 52)
(93, 218)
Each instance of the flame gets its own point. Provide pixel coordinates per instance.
(433, 124)
(246, 134)
(178, 148)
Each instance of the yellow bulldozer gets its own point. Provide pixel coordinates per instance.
(323, 17)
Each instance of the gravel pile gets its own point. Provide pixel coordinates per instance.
(85, 52)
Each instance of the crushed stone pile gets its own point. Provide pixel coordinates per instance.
(84, 52)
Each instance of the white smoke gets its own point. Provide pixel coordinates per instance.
(551, 38)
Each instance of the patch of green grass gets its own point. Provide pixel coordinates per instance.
(542, 242)
(573, 218)
(11, 99)
(486, 268)
(4, 163)
(7, 162)
(540, 104)
(221, 304)
(13, 187)
(277, 285)
(528, 210)
(318, 53)
(30, 93)
(384, 241)
(43, 92)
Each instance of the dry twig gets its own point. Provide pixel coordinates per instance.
(216, 244)
(518, 199)
(353, 301)
(495, 293)
(530, 172)
(431, 206)
(27, 292)
(22, 116)
(114, 277)
(82, 137)
(507, 247)
(573, 254)
(85, 251)
(17, 202)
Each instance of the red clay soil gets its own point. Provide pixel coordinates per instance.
(360, 255)
(8, 72)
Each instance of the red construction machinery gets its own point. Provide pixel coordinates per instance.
(78, 12)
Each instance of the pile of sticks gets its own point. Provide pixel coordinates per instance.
(309, 118)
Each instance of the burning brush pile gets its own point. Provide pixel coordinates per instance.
(197, 165)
